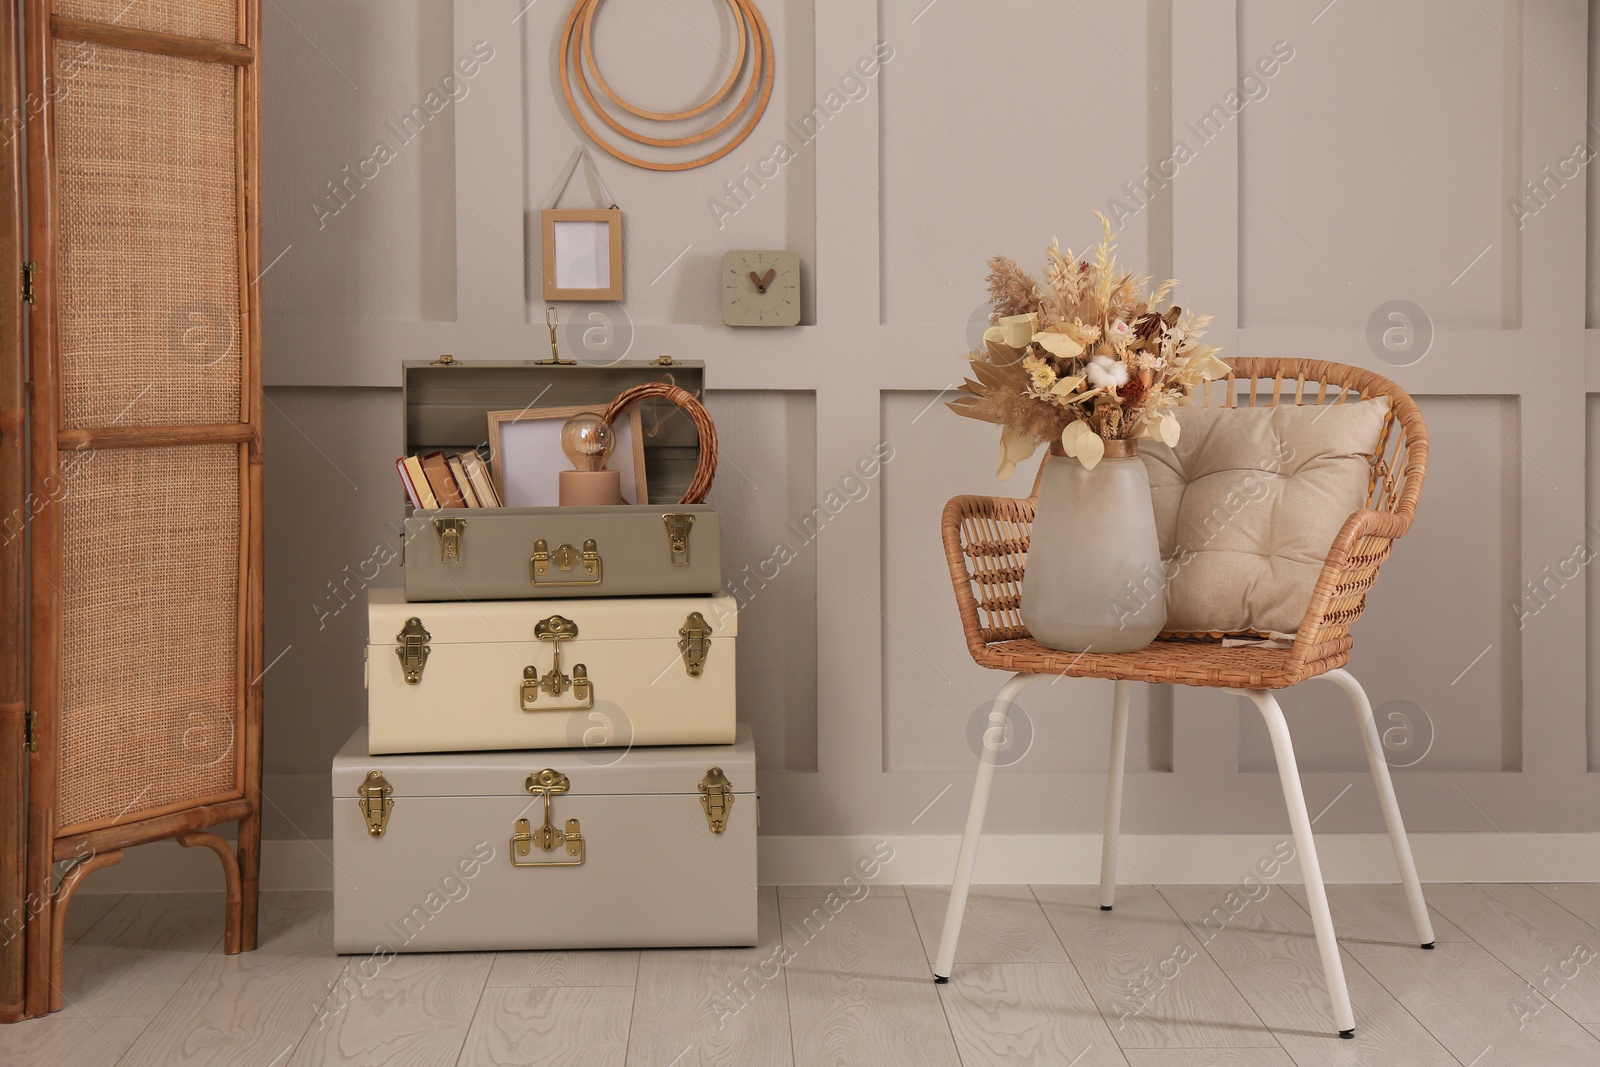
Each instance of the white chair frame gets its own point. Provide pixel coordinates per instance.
(1294, 800)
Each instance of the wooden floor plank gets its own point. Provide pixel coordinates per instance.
(1548, 946)
(1377, 913)
(133, 960)
(1266, 947)
(1027, 1014)
(62, 1042)
(87, 909)
(724, 1006)
(591, 967)
(563, 1026)
(1003, 924)
(1210, 1057)
(785, 892)
(1148, 975)
(1482, 1011)
(416, 1012)
(859, 987)
(251, 1008)
(1580, 898)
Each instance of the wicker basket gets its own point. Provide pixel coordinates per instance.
(706, 472)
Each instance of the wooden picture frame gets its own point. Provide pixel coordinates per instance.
(543, 444)
(580, 263)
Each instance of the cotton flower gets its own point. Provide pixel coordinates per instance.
(1105, 372)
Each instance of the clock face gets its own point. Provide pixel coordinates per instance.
(760, 288)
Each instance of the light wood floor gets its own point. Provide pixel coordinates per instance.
(1176, 976)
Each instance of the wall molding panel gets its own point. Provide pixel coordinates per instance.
(1507, 499)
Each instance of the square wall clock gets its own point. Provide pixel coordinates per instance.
(760, 288)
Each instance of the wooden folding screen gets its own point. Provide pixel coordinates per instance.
(144, 417)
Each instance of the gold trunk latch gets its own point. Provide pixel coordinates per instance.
(547, 783)
(450, 531)
(412, 647)
(565, 559)
(716, 796)
(555, 629)
(376, 802)
(694, 641)
(678, 526)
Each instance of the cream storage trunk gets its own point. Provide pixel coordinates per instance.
(462, 677)
(658, 547)
(653, 847)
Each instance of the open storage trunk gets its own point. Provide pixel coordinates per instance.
(658, 547)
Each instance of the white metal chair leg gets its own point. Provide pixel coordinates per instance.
(1386, 799)
(1300, 822)
(1119, 757)
(993, 737)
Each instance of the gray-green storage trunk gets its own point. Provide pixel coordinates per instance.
(659, 548)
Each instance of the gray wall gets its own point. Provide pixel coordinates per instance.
(1385, 161)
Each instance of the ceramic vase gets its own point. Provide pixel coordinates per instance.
(1094, 580)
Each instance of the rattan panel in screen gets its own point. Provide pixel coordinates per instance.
(149, 650)
(149, 241)
(214, 20)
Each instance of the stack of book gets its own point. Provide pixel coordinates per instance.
(434, 480)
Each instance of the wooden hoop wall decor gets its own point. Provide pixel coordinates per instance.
(578, 37)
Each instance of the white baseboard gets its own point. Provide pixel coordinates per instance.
(1067, 859)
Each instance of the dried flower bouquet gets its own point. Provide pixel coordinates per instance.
(1088, 356)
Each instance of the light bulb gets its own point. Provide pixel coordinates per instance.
(587, 439)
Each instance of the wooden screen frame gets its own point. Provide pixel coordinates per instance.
(101, 843)
(13, 557)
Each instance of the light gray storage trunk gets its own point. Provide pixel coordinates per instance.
(441, 876)
(658, 548)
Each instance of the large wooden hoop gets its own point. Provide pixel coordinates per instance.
(764, 74)
(593, 6)
(706, 471)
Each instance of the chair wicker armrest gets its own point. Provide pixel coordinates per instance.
(1322, 640)
(986, 544)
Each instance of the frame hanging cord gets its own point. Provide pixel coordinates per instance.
(579, 154)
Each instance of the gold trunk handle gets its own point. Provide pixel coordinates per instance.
(555, 629)
(547, 783)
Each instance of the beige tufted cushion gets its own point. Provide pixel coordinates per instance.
(1248, 504)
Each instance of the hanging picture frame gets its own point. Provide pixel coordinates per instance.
(582, 253)
(582, 248)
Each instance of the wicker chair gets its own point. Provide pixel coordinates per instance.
(986, 540)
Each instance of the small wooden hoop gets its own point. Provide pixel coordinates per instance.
(756, 75)
(706, 471)
(592, 6)
(763, 72)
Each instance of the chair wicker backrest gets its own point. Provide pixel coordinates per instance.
(986, 538)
